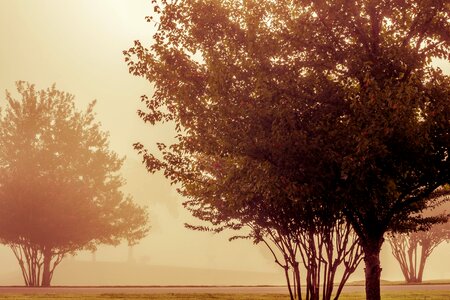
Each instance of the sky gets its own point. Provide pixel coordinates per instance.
(78, 45)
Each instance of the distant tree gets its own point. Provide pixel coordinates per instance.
(60, 187)
(243, 78)
(412, 250)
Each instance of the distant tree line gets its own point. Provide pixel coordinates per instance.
(303, 120)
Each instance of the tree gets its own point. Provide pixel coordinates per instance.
(296, 221)
(60, 186)
(323, 251)
(412, 250)
(221, 192)
(242, 78)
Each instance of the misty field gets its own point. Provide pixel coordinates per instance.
(416, 295)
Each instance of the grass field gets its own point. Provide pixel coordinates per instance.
(429, 295)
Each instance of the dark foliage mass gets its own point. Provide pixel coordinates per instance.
(295, 114)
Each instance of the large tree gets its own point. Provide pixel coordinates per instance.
(242, 78)
(60, 186)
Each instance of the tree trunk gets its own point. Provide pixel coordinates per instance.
(286, 273)
(423, 258)
(297, 279)
(412, 266)
(372, 269)
(46, 274)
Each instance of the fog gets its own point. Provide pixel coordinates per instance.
(78, 45)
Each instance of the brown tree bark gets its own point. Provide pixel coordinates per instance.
(372, 269)
(297, 280)
(47, 272)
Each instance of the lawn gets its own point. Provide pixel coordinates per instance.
(426, 295)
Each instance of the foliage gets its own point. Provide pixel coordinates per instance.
(317, 100)
(60, 187)
(233, 175)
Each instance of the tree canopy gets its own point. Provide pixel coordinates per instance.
(346, 88)
(60, 186)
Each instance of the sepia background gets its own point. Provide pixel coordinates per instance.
(78, 45)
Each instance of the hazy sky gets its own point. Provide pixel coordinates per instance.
(78, 45)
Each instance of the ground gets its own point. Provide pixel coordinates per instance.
(389, 292)
(428, 295)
